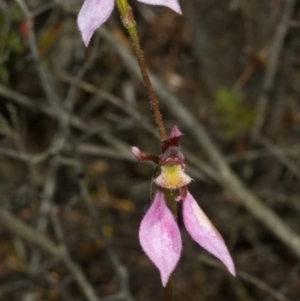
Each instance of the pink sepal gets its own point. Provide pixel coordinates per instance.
(144, 157)
(204, 233)
(160, 237)
(175, 132)
(138, 153)
(93, 13)
(173, 4)
(172, 140)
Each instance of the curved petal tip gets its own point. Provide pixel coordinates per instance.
(160, 237)
(172, 4)
(92, 14)
(204, 233)
(137, 153)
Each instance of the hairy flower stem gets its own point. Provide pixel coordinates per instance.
(130, 25)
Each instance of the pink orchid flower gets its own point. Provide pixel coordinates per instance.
(94, 13)
(159, 233)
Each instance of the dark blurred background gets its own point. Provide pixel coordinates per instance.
(71, 193)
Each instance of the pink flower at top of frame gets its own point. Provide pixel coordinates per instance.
(94, 13)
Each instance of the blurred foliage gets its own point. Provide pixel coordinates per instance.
(12, 48)
(197, 60)
(236, 118)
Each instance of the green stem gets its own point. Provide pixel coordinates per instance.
(168, 291)
(170, 201)
(129, 23)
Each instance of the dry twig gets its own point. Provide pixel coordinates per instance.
(18, 227)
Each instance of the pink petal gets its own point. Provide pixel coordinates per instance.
(204, 233)
(160, 237)
(144, 157)
(172, 140)
(173, 4)
(137, 153)
(93, 13)
(175, 133)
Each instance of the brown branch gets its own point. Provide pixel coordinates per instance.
(248, 278)
(272, 64)
(19, 228)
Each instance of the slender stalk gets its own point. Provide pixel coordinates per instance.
(168, 290)
(130, 24)
(170, 200)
